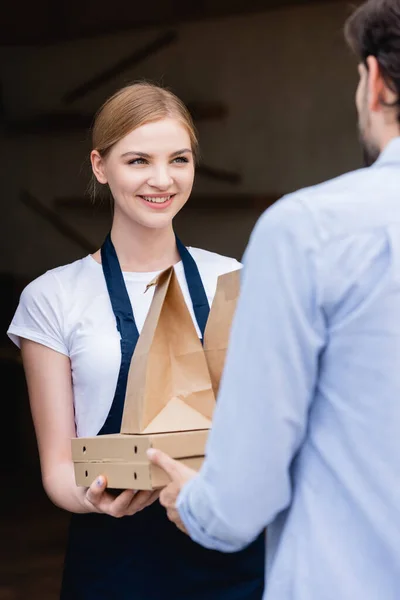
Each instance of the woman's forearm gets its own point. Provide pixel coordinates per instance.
(62, 490)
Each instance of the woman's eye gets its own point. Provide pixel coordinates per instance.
(137, 161)
(181, 159)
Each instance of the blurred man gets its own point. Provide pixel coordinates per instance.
(306, 435)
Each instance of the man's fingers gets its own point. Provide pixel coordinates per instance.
(167, 464)
(174, 517)
(168, 495)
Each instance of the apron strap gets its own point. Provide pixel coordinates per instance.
(196, 288)
(117, 291)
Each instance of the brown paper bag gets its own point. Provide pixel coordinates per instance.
(169, 386)
(216, 335)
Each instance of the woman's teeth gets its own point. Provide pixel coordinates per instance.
(156, 200)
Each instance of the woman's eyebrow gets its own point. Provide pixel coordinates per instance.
(183, 151)
(145, 155)
(141, 154)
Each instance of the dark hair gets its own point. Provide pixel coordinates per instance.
(374, 30)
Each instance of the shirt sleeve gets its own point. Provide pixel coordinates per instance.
(39, 315)
(267, 385)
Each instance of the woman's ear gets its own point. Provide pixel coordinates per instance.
(98, 166)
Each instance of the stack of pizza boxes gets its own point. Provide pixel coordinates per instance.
(172, 385)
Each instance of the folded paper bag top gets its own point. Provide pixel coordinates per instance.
(169, 386)
(172, 379)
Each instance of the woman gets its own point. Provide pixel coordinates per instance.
(77, 326)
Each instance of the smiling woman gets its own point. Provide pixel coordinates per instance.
(78, 326)
(152, 167)
(145, 148)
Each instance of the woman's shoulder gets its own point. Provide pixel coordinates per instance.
(214, 263)
(57, 281)
(40, 315)
(211, 265)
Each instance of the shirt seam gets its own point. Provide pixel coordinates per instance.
(62, 312)
(34, 336)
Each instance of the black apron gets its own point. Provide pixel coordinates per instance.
(145, 557)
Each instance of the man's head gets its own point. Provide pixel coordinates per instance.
(373, 33)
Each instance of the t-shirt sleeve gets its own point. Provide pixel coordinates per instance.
(233, 265)
(221, 266)
(39, 316)
(227, 266)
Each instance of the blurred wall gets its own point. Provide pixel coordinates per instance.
(288, 81)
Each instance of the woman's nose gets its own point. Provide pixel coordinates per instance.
(160, 178)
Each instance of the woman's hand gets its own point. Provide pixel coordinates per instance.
(129, 502)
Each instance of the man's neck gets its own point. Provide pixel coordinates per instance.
(389, 135)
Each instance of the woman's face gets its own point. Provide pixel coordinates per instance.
(150, 172)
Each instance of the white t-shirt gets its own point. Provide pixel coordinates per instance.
(68, 309)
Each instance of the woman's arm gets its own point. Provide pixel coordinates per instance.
(49, 379)
(48, 375)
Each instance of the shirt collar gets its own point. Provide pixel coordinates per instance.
(391, 153)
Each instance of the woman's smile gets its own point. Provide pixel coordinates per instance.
(157, 201)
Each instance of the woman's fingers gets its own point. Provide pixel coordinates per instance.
(154, 496)
(142, 500)
(120, 506)
(128, 502)
(101, 501)
(95, 493)
(149, 498)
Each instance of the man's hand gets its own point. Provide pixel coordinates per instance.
(179, 475)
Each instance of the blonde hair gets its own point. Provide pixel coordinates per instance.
(136, 105)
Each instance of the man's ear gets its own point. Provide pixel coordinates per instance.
(379, 94)
(374, 85)
(98, 166)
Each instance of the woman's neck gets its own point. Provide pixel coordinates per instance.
(142, 249)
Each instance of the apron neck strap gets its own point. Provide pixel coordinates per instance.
(119, 297)
(117, 291)
(196, 288)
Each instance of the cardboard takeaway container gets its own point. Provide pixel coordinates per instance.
(172, 384)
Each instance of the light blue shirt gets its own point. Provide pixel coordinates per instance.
(306, 433)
